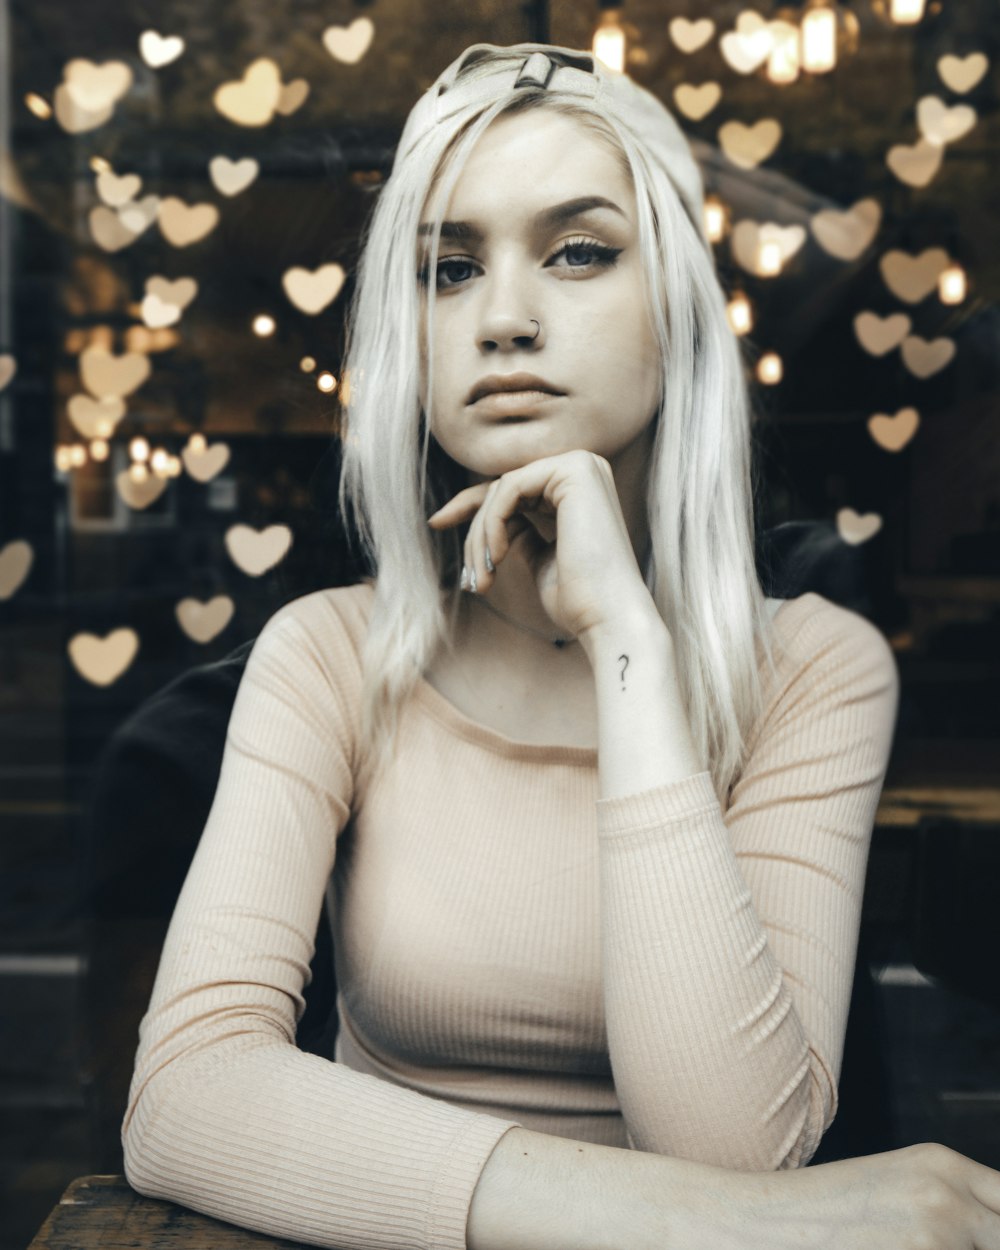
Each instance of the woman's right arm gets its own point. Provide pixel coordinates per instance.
(225, 1114)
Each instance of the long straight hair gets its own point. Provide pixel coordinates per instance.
(699, 567)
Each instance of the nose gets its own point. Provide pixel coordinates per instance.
(506, 322)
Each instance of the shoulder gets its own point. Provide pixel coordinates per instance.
(819, 640)
(336, 616)
(316, 640)
(835, 689)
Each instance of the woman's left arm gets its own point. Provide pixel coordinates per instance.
(730, 938)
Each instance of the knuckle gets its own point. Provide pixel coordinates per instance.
(935, 1200)
(935, 1155)
(592, 459)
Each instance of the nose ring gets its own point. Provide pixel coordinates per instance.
(538, 331)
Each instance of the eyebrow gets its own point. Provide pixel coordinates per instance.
(547, 218)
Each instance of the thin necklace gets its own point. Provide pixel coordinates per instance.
(556, 642)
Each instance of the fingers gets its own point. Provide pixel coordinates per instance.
(497, 510)
(460, 506)
(487, 543)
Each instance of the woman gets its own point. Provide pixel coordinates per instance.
(595, 904)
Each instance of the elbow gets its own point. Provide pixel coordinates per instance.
(138, 1164)
(138, 1156)
(779, 1137)
(817, 1109)
(136, 1169)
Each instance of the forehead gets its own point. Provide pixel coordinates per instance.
(531, 159)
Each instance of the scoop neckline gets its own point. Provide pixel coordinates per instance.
(444, 711)
(448, 715)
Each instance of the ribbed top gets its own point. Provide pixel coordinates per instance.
(646, 971)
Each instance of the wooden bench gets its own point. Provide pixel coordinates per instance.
(105, 1213)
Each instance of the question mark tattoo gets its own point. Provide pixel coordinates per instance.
(624, 667)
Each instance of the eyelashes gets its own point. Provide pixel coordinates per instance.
(601, 257)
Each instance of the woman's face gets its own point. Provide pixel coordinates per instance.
(539, 273)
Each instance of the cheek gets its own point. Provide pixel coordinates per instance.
(619, 336)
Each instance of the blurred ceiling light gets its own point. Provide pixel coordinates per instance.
(769, 258)
(953, 284)
(159, 461)
(173, 466)
(264, 325)
(99, 165)
(197, 443)
(138, 472)
(62, 459)
(99, 449)
(716, 219)
(78, 455)
(307, 364)
(783, 63)
(829, 32)
(906, 12)
(138, 449)
(326, 382)
(770, 369)
(609, 37)
(38, 105)
(739, 310)
(819, 38)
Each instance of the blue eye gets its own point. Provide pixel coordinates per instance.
(598, 253)
(446, 267)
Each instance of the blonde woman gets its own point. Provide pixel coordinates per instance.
(590, 815)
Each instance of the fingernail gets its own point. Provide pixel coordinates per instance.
(472, 580)
(490, 567)
(464, 583)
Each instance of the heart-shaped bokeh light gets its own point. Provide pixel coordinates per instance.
(892, 433)
(101, 661)
(256, 551)
(349, 43)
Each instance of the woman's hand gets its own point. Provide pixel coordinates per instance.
(924, 1197)
(578, 545)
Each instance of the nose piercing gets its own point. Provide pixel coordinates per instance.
(538, 331)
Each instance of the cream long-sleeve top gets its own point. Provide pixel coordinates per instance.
(647, 971)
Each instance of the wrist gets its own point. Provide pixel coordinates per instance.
(543, 1192)
(635, 619)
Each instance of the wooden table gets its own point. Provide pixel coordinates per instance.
(104, 1213)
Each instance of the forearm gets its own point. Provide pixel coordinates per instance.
(542, 1192)
(643, 736)
(710, 1058)
(263, 1135)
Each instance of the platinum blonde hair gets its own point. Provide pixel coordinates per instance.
(699, 567)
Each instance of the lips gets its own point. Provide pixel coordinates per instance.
(498, 383)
